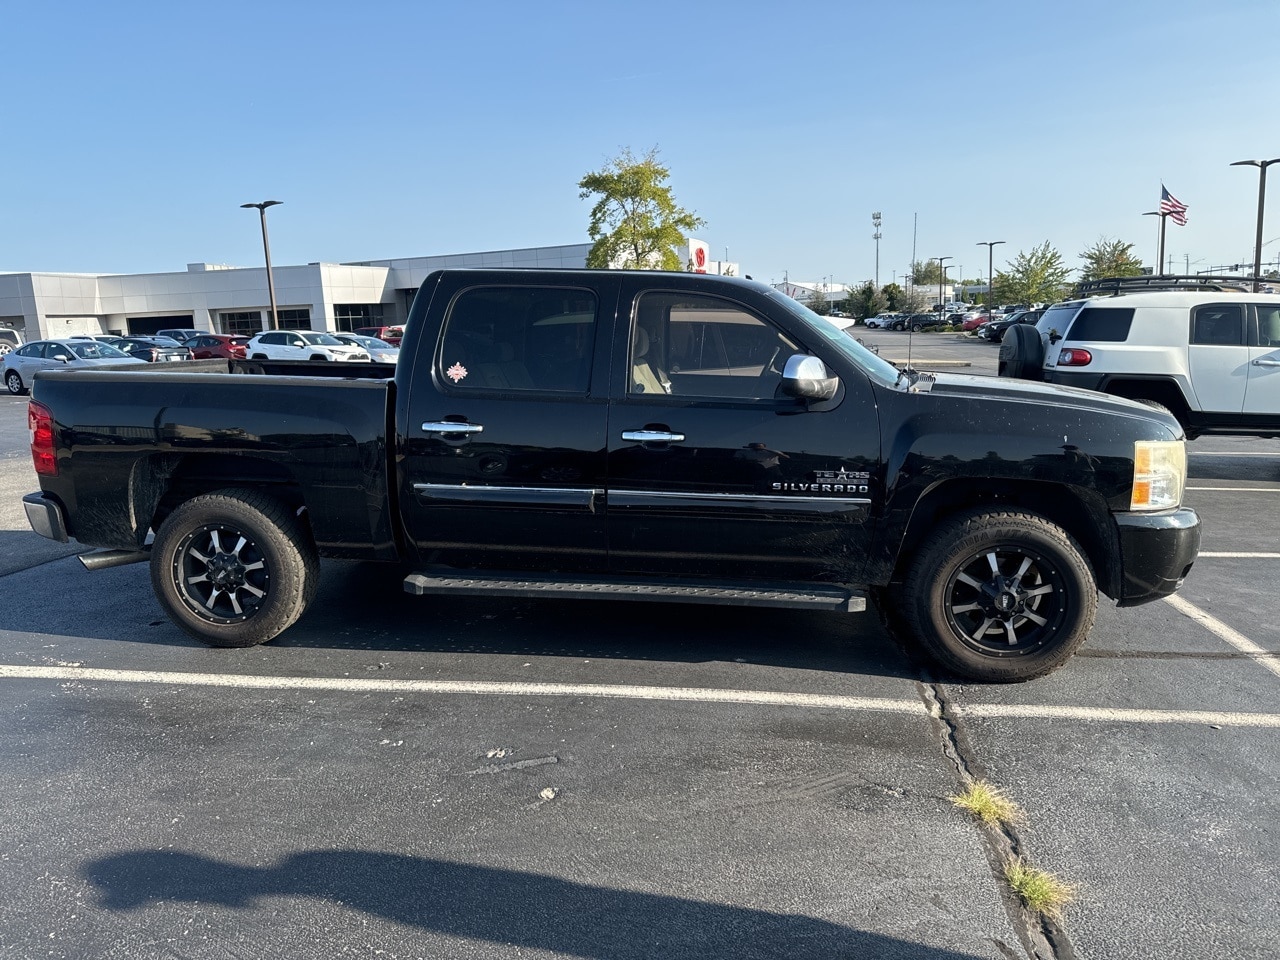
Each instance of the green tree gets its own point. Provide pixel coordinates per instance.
(1109, 258)
(636, 223)
(817, 300)
(925, 272)
(1039, 276)
(865, 301)
(893, 296)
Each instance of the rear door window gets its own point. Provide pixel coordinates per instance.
(519, 338)
(1218, 324)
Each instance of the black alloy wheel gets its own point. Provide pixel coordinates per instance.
(1000, 596)
(234, 568)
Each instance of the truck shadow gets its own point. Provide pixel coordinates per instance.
(363, 607)
(508, 907)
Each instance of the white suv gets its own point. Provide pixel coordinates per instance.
(301, 345)
(1208, 351)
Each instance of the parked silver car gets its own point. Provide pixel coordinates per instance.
(379, 350)
(20, 365)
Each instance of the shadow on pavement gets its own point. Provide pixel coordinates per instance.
(363, 607)
(523, 910)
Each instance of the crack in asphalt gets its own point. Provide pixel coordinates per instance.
(1043, 938)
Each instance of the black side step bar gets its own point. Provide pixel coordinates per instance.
(808, 596)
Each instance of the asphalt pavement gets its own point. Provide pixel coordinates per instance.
(412, 777)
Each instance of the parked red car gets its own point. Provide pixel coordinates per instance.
(210, 345)
(972, 321)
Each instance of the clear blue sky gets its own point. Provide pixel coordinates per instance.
(133, 131)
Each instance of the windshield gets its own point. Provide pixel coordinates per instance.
(868, 362)
(371, 343)
(91, 350)
(324, 340)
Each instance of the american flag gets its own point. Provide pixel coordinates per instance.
(1175, 208)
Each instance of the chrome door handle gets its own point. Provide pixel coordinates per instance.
(1266, 363)
(652, 436)
(446, 426)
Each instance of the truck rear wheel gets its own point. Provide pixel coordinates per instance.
(1000, 597)
(233, 568)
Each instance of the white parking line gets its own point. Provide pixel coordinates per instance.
(1240, 489)
(1229, 453)
(629, 692)
(1256, 556)
(1221, 630)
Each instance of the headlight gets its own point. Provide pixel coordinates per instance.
(1159, 474)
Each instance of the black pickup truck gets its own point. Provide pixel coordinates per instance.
(628, 435)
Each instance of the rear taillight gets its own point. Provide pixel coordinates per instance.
(40, 426)
(1074, 357)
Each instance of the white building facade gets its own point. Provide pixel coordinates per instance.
(222, 299)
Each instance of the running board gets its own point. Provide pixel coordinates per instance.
(807, 596)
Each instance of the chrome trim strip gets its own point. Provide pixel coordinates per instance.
(542, 496)
(640, 496)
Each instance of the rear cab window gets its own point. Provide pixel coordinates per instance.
(511, 338)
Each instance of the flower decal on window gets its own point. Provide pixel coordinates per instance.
(456, 373)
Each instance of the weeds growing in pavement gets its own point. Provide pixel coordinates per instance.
(988, 804)
(1040, 890)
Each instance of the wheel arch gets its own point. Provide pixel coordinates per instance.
(1082, 514)
(1163, 391)
(162, 482)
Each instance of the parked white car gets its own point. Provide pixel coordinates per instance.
(379, 350)
(301, 345)
(1207, 349)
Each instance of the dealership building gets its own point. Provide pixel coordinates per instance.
(223, 299)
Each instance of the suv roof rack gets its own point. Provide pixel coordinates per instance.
(1119, 285)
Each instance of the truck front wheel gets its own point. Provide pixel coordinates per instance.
(233, 568)
(1000, 597)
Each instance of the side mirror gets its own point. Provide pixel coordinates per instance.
(62, 358)
(807, 377)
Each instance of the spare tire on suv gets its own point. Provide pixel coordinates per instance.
(1021, 353)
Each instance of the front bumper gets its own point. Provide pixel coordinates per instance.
(45, 516)
(1156, 551)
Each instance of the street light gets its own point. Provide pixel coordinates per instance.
(1262, 196)
(266, 248)
(875, 222)
(942, 273)
(991, 277)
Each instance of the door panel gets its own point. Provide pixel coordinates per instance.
(714, 475)
(1262, 395)
(1218, 357)
(504, 455)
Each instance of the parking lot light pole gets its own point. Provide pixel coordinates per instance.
(266, 249)
(1164, 217)
(942, 273)
(1262, 196)
(991, 277)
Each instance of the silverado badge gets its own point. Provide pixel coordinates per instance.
(830, 481)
